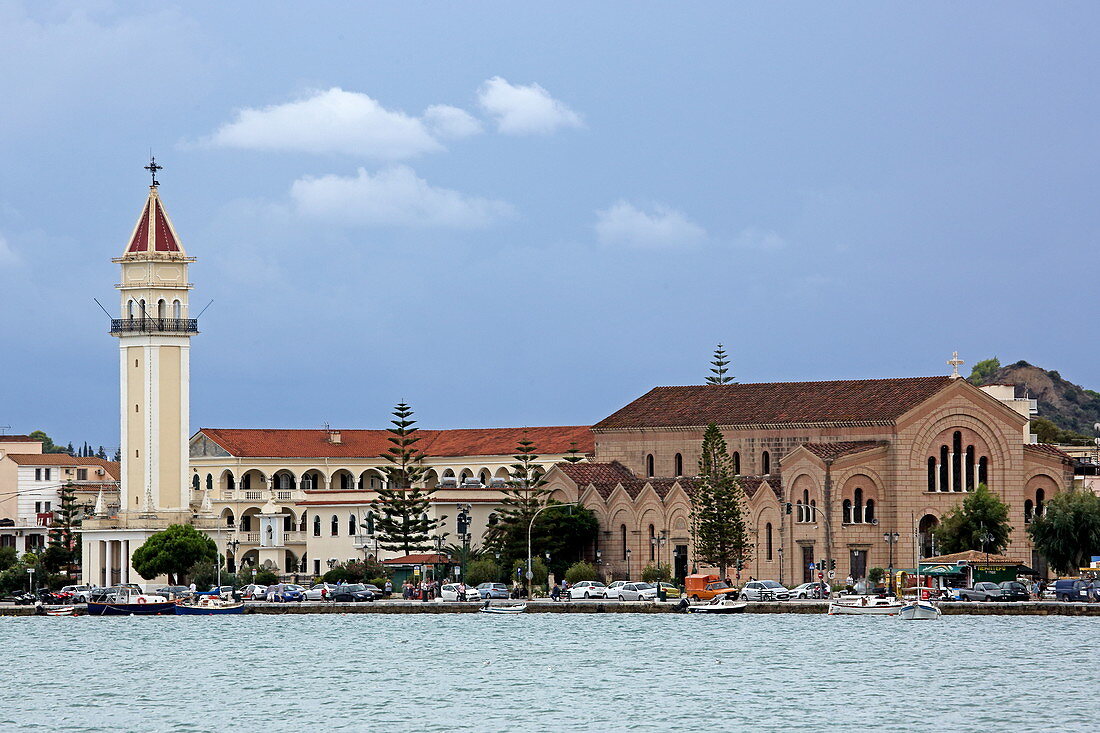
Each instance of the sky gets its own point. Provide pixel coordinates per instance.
(509, 215)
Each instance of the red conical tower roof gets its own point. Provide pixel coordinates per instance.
(154, 233)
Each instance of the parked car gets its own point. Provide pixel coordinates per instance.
(172, 591)
(378, 592)
(102, 595)
(225, 591)
(77, 593)
(614, 586)
(706, 587)
(984, 591)
(352, 593)
(634, 592)
(588, 589)
(764, 590)
(1071, 589)
(1012, 590)
(806, 590)
(292, 592)
(452, 592)
(253, 592)
(492, 590)
(314, 593)
(671, 591)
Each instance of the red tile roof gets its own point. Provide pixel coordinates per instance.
(63, 459)
(19, 439)
(262, 443)
(431, 559)
(852, 401)
(751, 484)
(842, 448)
(153, 233)
(1048, 449)
(604, 477)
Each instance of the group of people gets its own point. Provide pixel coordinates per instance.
(560, 591)
(425, 590)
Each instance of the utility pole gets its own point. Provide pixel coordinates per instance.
(827, 511)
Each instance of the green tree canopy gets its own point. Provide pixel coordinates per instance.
(173, 552)
(984, 370)
(718, 522)
(962, 528)
(1068, 532)
(661, 572)
(484, 570)
(402, 522)
(581, 570)
(1048, 432)
(719, 368)
(48, 446)
(8, 556)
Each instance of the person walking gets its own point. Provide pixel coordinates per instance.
(389, 587)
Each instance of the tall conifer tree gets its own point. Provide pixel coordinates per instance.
(718, 370)
(721, 532)
(402, 506)
(524, 495)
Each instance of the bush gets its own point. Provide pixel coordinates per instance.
(263, 577)
(8, 557)
(875, 575)
(482, 571)
(659, 572)
(579, 571)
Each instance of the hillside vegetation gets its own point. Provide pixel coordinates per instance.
(1067, 412)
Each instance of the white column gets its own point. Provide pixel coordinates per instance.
(950, 471)
(107, 563)
(124, 561)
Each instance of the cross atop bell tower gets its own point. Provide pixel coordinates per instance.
(955, 362)
(153, 168)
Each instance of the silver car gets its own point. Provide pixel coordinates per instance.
(764, 590)
(634, 592)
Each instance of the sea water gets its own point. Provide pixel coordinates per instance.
(587, 672)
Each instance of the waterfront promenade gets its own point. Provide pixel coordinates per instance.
(1022, 608)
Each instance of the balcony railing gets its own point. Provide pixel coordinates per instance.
(154, 325)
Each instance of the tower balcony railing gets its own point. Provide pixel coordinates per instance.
(154, 325)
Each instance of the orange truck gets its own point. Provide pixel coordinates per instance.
(705, 587)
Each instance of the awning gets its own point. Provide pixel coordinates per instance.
(943, 570)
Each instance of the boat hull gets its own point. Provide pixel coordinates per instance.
(843, 609)
(505, 610)
(919, 612)
(738, 607)
(167, 608)
(183, 610)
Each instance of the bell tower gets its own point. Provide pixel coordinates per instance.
(154, 339)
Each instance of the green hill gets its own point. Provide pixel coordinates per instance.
(1067, 412)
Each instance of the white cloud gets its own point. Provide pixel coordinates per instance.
(330, 121)
(450, 122)
(762, 239)
(524, 110)
(395, 196)
(7, 254)
(625, 224)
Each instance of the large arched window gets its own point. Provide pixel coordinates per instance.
(931, 473)
(869, 511)
(351, 525)
(768, 539)
(649, 465)
(957, 461)
(302, 526)
(209, 482)
(622, 533)
(983, 471)
(678, 465)
(1029, 511)
(335, 526)
(246, 523)
(317, 526)
(945, 467)
(1040, 497)
(969, 467)
(737, 463)
(766, 463)
(129, 309)
(857, 506)
(177, 310)
(847, 510)
(196, 482)
(162, 309)
(652, 544)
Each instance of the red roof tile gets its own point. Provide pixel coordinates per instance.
(604, 477)
(1048, 449)
(852, 401)
(429, 559)
(265, 443)
(842, 448)
(19, 439)
(63, 459)
(751, 484)
(153, 232)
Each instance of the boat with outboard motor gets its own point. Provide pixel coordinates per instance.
(209, 606)
(129, 602)
(506, 610)
(865, 606)
(720, 604)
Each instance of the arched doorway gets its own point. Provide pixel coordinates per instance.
(926, 535)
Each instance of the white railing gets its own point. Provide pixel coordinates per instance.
(363, 540)
(254, 495)
(294, 538)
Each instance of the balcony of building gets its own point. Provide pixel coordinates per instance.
(154, 325)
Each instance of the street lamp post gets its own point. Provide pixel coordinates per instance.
(891, 538)
(629, 552)
(985, 538)
(30, 580)
(530, 526)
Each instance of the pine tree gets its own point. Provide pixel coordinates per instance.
(402, 522)
(720, 530)
(523, 496)
(69, 449)
(573, 455)
(118, 455)
(66, 520)
(718, 369)
(101, 454)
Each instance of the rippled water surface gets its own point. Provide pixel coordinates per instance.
(576, 672)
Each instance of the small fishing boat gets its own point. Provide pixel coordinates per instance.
(918, 610)
(864, 606)
(720, 605)
(503, 609)
(209, 606)
(61, 611)
(128, 602)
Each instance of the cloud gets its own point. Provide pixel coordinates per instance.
(7, 254)
(395, 196)
(524, 110)
(762, 239)
(338, 122)
(625, 224)
(450, 122)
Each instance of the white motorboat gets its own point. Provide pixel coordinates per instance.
(917, 610)
(725, 605)
(864, 606)
(503, 609)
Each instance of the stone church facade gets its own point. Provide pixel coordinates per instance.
(828, 469)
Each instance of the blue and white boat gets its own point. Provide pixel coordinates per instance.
(128, 602)
(209, 606)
